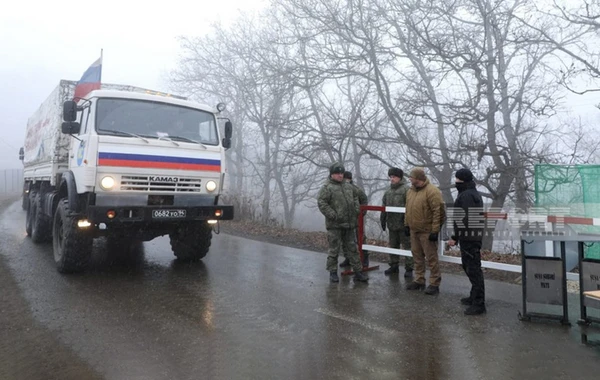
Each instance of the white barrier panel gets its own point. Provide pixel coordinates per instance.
(456, 260)
(449, 259)
(400, 210)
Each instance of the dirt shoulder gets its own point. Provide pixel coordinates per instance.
(317, 242)
(28, 350)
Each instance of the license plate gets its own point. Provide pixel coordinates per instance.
(168, 214)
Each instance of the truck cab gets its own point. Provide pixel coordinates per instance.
(139, 165)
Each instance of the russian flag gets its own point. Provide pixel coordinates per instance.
(90, 80)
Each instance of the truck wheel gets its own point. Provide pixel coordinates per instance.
(28, 215)
(72, 247)
(40, 225)
(191, 243)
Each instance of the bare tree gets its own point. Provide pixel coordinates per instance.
(375, 83)
(461, 83)
(573, 31)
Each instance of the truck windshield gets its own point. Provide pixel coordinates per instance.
(153, 119)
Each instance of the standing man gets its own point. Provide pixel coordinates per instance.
(339, 203)
(395, 196)
(425, 214)
(362, 200)
(469, 237)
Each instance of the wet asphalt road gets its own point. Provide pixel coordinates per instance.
(252, 310)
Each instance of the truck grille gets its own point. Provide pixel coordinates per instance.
(143, 183)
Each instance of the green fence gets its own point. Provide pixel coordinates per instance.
(574, 189)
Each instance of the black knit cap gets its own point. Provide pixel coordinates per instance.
(348, 175)
(395, 171)
(464, 175)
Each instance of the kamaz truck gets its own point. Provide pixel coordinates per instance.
(126, 164)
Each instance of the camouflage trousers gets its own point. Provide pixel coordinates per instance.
(344, 240)
(398, 239)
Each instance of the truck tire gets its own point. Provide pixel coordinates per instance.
(28, 215)
(191, 243)
(72, 247)
(40, 224)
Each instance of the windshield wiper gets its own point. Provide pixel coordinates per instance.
(181, 138)
(168, 139)
(121, 133)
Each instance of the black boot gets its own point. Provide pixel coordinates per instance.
(415, 286)
(392, 269)
(466, 301)
(360, 276)
(333, 276)
(408, 273)
(432, 290)
(345, 263)
(475, 310)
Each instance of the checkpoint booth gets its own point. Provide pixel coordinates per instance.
(548, 256)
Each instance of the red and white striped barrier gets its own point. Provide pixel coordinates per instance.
(518, 219)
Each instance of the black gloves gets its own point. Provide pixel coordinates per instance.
(433, 236)
(383, 219)
(407, 231)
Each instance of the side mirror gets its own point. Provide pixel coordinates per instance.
(70, 127)
(69, 110)
(21, 154)
(228, 130)
(228, 133)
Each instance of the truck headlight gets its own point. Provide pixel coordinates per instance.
(211, 186)
(107, 183)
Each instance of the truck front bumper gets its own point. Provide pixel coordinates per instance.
(157, 214)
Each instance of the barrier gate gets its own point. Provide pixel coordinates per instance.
(403, 252)
(543, 276)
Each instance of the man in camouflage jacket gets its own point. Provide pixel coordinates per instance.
(339, 204)
(395, 196)
(362, 200)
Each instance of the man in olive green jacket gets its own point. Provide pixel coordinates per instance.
(395, 196)
(425, 214)
(338, 202)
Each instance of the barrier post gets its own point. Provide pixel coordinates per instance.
(359, 238)
(361, 229)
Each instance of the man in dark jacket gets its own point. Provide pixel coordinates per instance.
(469, 237)
(339, 203)
(395, 196)
(362, 200)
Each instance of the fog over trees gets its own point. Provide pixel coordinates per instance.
(441, 84)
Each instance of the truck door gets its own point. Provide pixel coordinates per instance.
(78, 163)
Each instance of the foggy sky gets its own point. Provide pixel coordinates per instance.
(42, 42)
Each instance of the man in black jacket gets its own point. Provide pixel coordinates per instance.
(469, 237)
